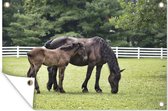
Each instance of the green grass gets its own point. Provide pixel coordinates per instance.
(142, 86)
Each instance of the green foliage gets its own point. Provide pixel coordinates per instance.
(71, 34)
(96, 17)
(24, 30)
(144, 17)
(142, 86)
(15, 6)
(140, 23)
(120, 43)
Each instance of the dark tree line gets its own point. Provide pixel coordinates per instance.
(122, 23)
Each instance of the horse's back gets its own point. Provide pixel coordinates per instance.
(93, 47)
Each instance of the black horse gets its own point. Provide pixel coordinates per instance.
(98, 53)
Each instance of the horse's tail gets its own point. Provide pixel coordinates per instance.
(109, 56)
(47, 44)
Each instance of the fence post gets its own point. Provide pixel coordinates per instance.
(161, 53)
(17, 52)
(138, 52)
(117, 52)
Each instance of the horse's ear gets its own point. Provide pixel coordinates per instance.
(122, 70)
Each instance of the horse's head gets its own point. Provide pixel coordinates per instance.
(114, 81)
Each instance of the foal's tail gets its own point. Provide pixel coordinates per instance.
(29, 54)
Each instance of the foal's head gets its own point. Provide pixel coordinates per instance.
(77, 48)
(82, 51)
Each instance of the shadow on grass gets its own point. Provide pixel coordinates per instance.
(80, 93)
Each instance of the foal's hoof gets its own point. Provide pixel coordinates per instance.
(85, 91)
(98, 90)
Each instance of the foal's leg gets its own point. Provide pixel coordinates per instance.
(52, 74)
(37, 86)
(32, 73)
(61, 78)
(98, 70)
(28, 73)
(36, 69)
(88, 74)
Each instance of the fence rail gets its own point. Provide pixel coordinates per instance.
(133, 52)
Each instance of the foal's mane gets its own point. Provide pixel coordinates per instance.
(66, 47)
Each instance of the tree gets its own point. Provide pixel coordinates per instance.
(8, 12)
(96, 17)
(44, 18)
(145, 20)
(122, 22)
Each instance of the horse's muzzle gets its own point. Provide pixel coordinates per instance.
(114, 91)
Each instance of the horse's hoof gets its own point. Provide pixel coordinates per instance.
(114, 92)
(62, 91)
(38, 92)
(56, 90)
(98, 90)
(55, 87)
(85, 91)
(49, 86)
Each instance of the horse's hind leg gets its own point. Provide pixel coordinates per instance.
(49, 83)
(88, 74)
(98, 70)
(54, 76)
(61, 78)
(52, 73)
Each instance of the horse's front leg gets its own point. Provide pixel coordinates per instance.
(98, 71)
(61, 78)
(88, 74)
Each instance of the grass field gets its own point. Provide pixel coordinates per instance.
(142, 86)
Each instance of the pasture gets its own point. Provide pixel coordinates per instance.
(142, 86)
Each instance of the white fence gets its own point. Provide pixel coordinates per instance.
(133, 52)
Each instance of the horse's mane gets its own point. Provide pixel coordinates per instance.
(47, 44)
(108, 55)
(55, 43)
